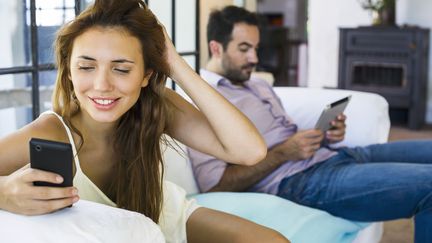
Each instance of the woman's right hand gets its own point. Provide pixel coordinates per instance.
(19, 195)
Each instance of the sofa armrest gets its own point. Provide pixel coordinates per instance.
(367, 122)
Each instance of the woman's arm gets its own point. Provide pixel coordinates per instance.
(207, 225)
(218, 128)
(17, 192)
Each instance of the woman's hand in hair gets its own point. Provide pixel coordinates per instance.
(176, 63)
(19, 195)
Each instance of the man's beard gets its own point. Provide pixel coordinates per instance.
(234, 74)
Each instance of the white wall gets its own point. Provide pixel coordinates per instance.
(206, 7)
(325, 19)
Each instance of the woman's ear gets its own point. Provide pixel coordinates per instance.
(147, 77)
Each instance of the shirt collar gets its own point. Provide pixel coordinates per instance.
(216, 80)
(212, 78)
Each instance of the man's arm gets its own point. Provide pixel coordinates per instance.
(300, 146)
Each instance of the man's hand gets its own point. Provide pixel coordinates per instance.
(337, 132)
(301, 145)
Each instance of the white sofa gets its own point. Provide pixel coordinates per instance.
(367, 123)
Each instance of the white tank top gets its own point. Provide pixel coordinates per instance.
(176, 208)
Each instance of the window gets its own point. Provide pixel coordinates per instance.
(27, 71)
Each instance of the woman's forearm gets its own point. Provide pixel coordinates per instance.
(238, 136)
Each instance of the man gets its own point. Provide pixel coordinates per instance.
(373, 183)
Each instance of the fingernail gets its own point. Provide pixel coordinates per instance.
(74, 192)
(75, 199)
(59, 179)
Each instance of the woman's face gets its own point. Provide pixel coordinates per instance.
(107, 72)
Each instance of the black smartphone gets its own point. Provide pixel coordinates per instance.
(54, 157)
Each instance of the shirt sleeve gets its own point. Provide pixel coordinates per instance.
(207, 169)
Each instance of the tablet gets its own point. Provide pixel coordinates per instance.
(331, 112)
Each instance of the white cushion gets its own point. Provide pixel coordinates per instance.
(177, 167)
(367, 113)
(84, 222)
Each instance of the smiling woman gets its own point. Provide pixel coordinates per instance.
(107, 84)
(111, 104)
(26, 84)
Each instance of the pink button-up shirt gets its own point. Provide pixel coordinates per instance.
(261, 105)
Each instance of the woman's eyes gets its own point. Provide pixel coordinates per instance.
(90, 68)
(85, 68)
(122, 70)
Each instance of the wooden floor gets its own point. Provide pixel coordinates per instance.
(401, 231)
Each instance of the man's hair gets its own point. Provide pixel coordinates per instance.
(221, 23)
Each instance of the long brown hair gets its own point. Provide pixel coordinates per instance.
(137, 139)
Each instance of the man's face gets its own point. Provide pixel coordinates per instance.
(240, 57)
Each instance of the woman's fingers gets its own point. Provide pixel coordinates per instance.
(38, 207)
(31, 175)
(24, 198)
(49, 193)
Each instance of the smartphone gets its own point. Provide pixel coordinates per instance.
(330, 113)
(54, 157)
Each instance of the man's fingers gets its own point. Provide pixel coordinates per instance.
(342, 117)
(312, 133)
(336, 132)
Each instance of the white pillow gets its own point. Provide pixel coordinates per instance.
(84, 222)
(367, 121)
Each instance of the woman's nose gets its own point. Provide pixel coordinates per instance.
(103, 81)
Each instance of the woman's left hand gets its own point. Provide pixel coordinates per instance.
(173, 59)
(337, 132)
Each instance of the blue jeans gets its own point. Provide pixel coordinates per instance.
(374, 183)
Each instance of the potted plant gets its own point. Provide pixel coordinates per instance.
(383, 11)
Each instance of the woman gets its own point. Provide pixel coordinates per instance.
(111, 104)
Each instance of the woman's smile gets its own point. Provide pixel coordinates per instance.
(104, 103)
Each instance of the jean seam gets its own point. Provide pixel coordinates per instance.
(357, 195)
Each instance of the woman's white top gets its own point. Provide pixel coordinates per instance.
(176, 208)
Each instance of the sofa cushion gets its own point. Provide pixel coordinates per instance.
(296, 222)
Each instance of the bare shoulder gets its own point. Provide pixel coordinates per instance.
(47, 127)
(14, 148)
